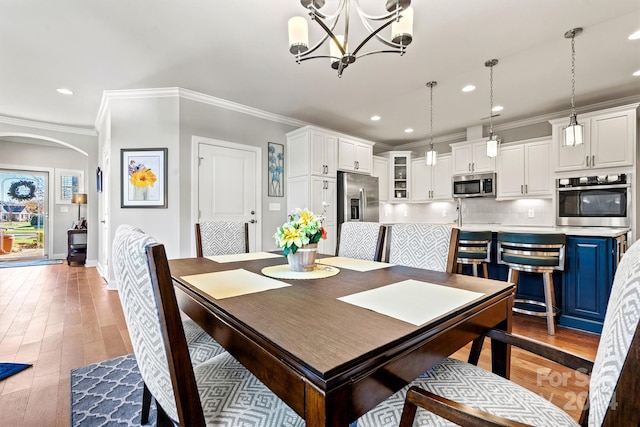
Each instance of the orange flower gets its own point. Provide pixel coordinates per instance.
(143, 178)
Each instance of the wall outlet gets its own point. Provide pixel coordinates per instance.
(531, 213)
(405, 213)
(444, 214)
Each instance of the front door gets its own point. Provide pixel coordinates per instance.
(228, 185)
(23, 214)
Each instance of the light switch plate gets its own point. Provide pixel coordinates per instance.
(64, 208)
(531, 213)
(274, 206)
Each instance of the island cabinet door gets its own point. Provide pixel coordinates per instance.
(587, 282)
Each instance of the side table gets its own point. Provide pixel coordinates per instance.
(77, 246)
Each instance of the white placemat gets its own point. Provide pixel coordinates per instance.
(243, 257)
(353, 263)
(232, 283)
(412, 301)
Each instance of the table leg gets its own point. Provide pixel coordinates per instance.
(501, 352)
(322, 410)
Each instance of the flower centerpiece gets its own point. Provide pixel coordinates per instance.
(299, 238)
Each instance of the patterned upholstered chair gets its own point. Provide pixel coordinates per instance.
(428, 246)
(221, 238)
(217, 392)
(361, 240)
(467, 395)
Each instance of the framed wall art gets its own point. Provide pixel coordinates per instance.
(143, 173)
(275, 169)
(99, 180)
(68, 182)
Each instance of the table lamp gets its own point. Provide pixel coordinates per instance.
(79, 199)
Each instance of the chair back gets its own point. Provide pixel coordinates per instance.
(613, 390)
(475, 245)
(153, 320)
(532, 252)
(221, 238)
(428, 246)
(361, 240)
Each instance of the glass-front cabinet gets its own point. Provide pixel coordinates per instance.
(399, 175)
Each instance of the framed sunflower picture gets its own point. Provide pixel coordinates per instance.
(143, 173)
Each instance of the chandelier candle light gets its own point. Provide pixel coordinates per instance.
(573, 132)
(399, 17)
(431, 156)
(492, 143)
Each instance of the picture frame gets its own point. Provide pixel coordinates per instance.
(275, 169)
(67, 182)
(99, 180)
(143, 175)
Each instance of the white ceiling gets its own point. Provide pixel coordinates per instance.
(238, 50)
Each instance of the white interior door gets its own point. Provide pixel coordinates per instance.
(103, 231)
(228, 185)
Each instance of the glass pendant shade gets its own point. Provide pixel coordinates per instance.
(298, 35)
(573, 133)
(402, 31)
(334, 50)
(432, 157)
(492, 146)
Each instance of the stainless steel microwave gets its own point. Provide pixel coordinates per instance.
(480, 185)
(594, 201)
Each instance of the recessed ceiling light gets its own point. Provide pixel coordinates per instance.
(635, 36)
(497, 108)
(375, 118)
(408, 130)
(469, 88)
(637, 73)
(65, 91)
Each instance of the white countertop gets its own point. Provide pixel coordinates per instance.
(570, 231)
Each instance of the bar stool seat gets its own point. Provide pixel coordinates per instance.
(475, 249)
(534, 253)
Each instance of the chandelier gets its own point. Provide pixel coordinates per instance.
(573, 132)
(399, 17)
(492, 143)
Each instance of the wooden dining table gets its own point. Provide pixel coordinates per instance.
(329, 360)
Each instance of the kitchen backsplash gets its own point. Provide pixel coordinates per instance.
(480, 210)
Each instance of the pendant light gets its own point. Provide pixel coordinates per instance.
(573, 133)
(431, 156)
(492, 142)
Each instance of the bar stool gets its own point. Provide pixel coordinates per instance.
(534, 253)
(475, 248)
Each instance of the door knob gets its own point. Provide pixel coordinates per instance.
(253, 212)
(253, 221)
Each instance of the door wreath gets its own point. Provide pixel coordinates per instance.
(22, 190)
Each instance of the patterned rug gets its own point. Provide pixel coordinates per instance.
(108, 393)
(8, 369)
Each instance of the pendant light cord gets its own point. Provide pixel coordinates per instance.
(431, 115)
(491, 101)
(573, 74)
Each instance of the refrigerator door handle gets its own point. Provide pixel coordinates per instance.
(363, 204)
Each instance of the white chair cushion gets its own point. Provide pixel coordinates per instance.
(473, 386)
(232, 396)
(201, 346)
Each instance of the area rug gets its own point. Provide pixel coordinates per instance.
(30, 263)
(108, 393)
(8, 369)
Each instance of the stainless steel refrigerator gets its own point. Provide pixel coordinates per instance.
(358, 198)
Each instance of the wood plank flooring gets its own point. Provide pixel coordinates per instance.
(60, 318)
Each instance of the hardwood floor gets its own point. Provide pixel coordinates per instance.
(60, 318)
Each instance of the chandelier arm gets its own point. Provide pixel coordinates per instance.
(380, 51)
(364, 15)
(329, 33)
(333, 36)
(317, 13)
(389, 43)
(371, 35)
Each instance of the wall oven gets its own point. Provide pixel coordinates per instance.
(480, 185)
(594, 201)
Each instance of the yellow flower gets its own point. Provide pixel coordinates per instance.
(288, 235)
(143, 178)
(306, 217)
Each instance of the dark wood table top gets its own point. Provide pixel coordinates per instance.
(327, 341)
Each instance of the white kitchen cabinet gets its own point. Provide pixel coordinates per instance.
(471, 157)
(431, 183)
(312, 151)
(355, 156)
(524, 170)
(319, 195)
(399, 175)
(609, 140)
(381, 170)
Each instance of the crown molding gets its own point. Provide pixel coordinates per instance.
(47, 126)
(109, 95)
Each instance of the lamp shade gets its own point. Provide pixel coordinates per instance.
(79, 198)
(492, 146)
(573, 133)
(298, 35)
(402, 30)
(432, 157)
(334, 50)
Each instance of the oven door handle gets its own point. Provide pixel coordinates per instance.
(595, 187)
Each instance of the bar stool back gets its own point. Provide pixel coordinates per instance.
(535, 253)
(475, 248)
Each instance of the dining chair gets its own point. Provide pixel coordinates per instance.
(361, 240)
(470, 396)
(201, 346)
(221, 238)
(219, 391)
(428, 246)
